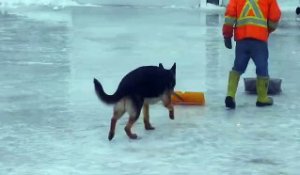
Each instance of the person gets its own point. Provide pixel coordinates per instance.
(251, 22)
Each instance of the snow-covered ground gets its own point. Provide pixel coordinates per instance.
(51, 122)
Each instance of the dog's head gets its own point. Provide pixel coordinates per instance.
(171, 76)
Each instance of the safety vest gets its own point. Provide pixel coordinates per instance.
(251, 19)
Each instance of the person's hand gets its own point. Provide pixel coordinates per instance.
(227, 42)
(270, 30)
(298, 10)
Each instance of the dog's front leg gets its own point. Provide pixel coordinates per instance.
(171, 111)
(168, 104)
(147, 123)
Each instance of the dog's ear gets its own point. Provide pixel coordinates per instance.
(161, 66)
(173, 69)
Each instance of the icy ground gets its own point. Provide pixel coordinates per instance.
(51, 122)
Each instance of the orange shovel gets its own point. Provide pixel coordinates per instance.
(188, 98)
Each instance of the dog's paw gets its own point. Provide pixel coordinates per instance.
(133, 136)
(111, 136)
(130, 134)
(148, 126)
(171, 115)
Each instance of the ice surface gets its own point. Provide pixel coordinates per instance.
(51, 122)
(290, 4)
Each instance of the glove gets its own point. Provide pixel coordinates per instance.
(227, 42)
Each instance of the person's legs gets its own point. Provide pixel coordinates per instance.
(260, 55)
(242, 56)
(233, 82)
(262, 84)
(239, 67)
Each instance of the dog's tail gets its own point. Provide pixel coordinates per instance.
(109, 99)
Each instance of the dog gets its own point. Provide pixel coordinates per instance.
(138, 89)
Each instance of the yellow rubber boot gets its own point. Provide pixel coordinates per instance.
(262, 84)
(233, 82)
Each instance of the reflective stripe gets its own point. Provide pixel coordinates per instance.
(245, 10)
(253, 21)
(258, 19)
(272, 25)
(256, 9)
(230, 20)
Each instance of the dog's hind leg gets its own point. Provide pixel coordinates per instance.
(128, 127)
(147, 123)
(119, 110)
(133, 107)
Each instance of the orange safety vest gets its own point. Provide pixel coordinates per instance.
(251, 19)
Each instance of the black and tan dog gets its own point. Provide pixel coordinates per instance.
(139, 88)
